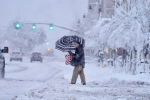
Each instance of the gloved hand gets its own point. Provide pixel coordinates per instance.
(70, 52)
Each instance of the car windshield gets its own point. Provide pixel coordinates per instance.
(16, 53)
(35, 53)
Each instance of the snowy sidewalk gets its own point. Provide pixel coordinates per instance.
(102, 84)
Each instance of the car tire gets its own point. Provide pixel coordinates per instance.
(20, 60)
(41, 61)
(10, 59)
(30, 60)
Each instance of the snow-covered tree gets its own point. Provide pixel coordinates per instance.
(125, 29)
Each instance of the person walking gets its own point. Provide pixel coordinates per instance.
(78, 62)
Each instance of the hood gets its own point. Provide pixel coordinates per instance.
(79, 48)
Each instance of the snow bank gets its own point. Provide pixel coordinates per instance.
(59, 89)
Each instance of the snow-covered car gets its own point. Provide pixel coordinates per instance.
(36, 56)
(16, 56)
(2, 62)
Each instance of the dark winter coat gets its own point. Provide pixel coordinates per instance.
(78, 57)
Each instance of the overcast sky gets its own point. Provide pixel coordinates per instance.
(59, 12)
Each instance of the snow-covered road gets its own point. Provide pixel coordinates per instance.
(50, 81)
(23, 76)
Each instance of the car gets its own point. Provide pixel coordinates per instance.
(49, 52)
(16, 56)
(36, 56)
(2, 62)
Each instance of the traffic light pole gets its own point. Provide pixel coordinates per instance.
(54, 25)
(65, 28)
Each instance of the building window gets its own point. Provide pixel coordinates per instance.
(90, 7)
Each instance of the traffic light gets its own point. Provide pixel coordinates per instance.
(17, 25)
(47, 43)
(51, 27)
(33, 26)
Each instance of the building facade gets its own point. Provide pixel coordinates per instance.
(94, 9)
(101, 9)
(107, 8)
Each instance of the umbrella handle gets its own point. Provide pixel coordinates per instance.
(69, 52)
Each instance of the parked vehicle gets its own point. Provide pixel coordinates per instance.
(2, 62)
(16, 56)
(36, 56)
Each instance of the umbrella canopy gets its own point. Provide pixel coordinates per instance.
(66, 43)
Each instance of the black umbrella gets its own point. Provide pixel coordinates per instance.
(66, 43)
